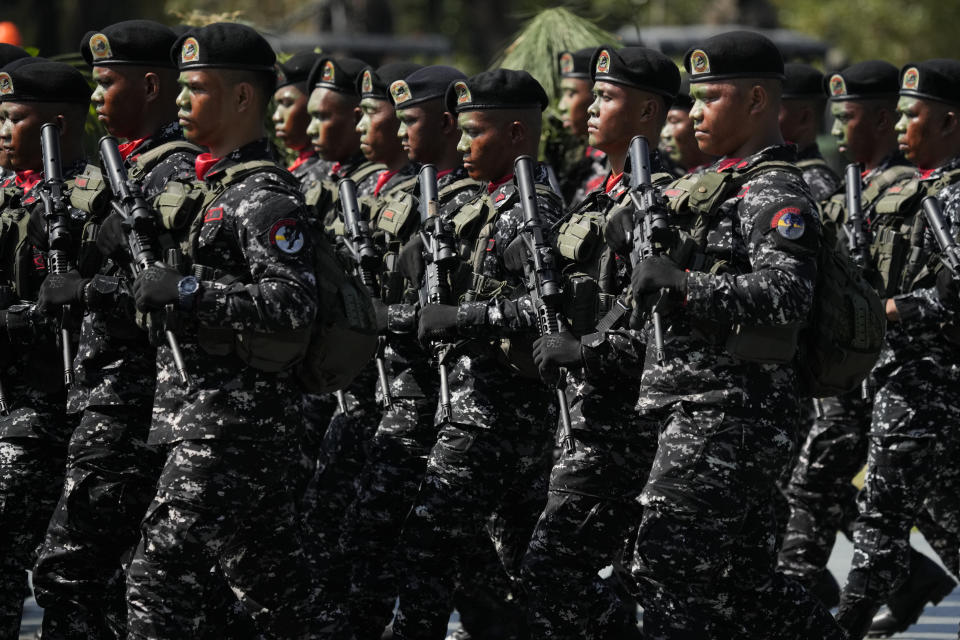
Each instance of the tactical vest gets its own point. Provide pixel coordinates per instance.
(323, 197)
(330, 353)
(812, 162)
(842, 338)
(835, 209)
(16, 254)
(898, 228)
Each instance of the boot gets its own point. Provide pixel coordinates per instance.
(855, 616)
(927, 582)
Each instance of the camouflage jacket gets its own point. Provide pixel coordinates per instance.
(822, 180)
(309, 167)
(759, 270)
(256, 275)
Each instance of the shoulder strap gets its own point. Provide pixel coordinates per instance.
(943, 181)
(884, 180)
(454, 187)
(364, 170)
(147, 160)
(813, 162)
(404, 185)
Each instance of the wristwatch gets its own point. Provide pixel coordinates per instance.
(188, 288)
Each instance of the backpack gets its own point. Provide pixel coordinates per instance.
(840, 342)
(331, 353)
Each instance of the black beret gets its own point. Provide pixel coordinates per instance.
(683, 99)
(937, 79)
(376, 83)
(497, 89)
(296, 70)
(10, 52)
(141, 42)
(428, 83)
(223, 45)
(864, 81)
(803, 82)
(575, 64)
(637, 67)
(42, 80)
(338, 74)
(735, 54)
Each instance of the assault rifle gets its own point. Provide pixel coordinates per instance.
(59, 239)
(858, 243)
(949, 249)
(440, 254)
(138, 222)
(648, 216)
(542, 281)
(360, 242)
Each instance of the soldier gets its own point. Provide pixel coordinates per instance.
(593, 489)
(677, 140)
(822, 498)
(581, 167)
(34, 427)
(291, 119)
(8, 53)
(912, 445)
(111, 472)
(493, 452)
(727, 400)
(801, 119)
(224, 495)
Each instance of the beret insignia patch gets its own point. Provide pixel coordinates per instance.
(281, 76)
(603, 62)
(328, 74)
(6, 84)
(286, 236)
(566, 62)
(699, 61)
(100, 47)
(366, 84)
(400, 92)
(190, 51)
(463, 92)
(789, 223)
(837, 85)
(911, 79)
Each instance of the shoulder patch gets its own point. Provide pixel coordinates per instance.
(789, 223)
(287, 236)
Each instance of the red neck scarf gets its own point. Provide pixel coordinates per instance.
(491, 187)
(383, 179)
(203, 163)
(612, 181)
(27, 180)
(726, 164)
(302, 157)
(129, 147)
(440, 174)
(926, 173)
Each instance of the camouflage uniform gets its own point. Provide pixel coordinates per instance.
(592, 494)
(224, 494)
(822, 498)
(33, 436)
(111, 472)
(913, 443)
(822, 180)
(309, 167)
(493, 454)
(704, 555)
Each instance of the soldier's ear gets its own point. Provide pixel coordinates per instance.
(518, 132)
(448, 123)
(244, 95)
(758, 99)
(357, 115)
(951, 123)
(151, 86)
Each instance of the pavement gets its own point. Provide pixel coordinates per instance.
(936, 623)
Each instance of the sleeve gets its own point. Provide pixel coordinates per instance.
(783, 232)
(281, 293)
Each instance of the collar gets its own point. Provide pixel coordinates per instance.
(493, 186)
(203, 163)
(302, 157)
(382, 179)
(207, 166)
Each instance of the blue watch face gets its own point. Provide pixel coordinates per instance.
(189, 285)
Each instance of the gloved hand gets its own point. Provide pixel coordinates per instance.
(112, 237)
(381, 310)
(655, 274)
(619, 230)
(516, 256)
(948, 288)
(438, 322)
(556, 350)
(37, 229)
(59, 289)
(156, 287)
(410, 261)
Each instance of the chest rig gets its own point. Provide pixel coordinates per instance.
(897, 226)
(323, 197)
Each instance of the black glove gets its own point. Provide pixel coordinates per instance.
(655, 274)
(156, 287)
(619, 230)
(410, 262)
(556, 350)
(381, 310)
(112, 237)
(37, 229)
(948, 288)
(438, 322)
(59, 289)
(516, 256)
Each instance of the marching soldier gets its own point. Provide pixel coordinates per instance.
(8, 53)
(677, 140)
(290, 117)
